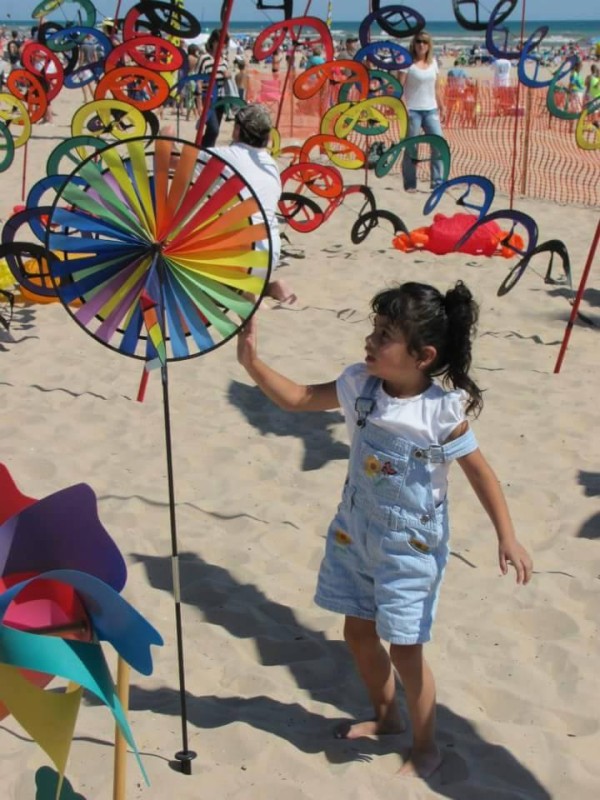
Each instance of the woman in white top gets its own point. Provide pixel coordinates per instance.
(422, 98)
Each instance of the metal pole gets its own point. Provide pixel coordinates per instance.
(143, 384)
(525, 161)
(185, 756)
(577, 301)
(516, 125)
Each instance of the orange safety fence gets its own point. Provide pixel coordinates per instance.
(298, 119)
(544, 158)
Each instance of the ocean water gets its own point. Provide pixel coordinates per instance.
(448, 33)
(451, 34)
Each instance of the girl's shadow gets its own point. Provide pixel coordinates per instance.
(323, 670)
(315, 428)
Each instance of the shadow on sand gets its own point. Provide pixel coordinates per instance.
(472, 769)
(315, 428)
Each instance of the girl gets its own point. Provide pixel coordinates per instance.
(423, 100)
(387, 546)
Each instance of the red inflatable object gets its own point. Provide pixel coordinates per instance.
(442, 237)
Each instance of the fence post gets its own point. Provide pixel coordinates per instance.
(526, 134)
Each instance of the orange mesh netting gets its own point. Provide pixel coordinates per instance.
(542, 157)
(298, 119)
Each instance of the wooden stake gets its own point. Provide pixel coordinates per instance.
(120, 765)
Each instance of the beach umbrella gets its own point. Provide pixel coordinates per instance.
(167, 252)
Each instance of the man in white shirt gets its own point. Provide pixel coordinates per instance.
(501, 67)
(348, 49)
(504, 94)
(248, 155)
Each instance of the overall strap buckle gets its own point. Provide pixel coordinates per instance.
(365, 404)
(363, 407)
(441, 453)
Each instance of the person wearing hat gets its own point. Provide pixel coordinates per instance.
(348, 49)
(249, 156)
(110, 29)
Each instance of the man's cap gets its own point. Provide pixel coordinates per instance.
(255, 119)
(351, 38)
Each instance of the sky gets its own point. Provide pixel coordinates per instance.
(245, 10)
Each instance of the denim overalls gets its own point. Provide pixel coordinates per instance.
(387, 546)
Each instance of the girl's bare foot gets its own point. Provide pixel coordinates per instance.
(421, 763)
(371, 727)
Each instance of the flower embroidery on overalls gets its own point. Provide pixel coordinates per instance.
(343, 538)
(372, 466)
(376, 469)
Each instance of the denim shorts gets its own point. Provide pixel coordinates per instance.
(386, 567)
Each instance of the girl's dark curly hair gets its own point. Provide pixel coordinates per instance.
(447, 322)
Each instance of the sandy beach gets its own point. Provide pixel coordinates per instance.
(268, 674)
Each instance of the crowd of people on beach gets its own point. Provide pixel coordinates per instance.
(237, 56)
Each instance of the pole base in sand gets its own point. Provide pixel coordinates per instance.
(185, 758)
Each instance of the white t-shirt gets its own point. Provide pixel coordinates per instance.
(261, 173)
(419, 88)
(501, 68)
(426, 419)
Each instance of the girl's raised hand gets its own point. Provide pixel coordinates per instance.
(246, 342)
(515, 554)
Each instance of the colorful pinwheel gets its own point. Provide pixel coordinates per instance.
(158, 244)
(60, 578)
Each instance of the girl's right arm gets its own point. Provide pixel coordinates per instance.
(284, 392)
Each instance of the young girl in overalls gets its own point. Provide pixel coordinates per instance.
(387, 546)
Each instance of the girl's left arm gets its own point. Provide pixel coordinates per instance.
(486, 486)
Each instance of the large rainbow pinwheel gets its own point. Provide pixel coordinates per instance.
(163, 244)
(167, 252)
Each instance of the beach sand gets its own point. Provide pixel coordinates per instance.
(268, 675)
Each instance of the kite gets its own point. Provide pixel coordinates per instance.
(445, 235)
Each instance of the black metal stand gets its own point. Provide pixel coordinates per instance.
(185, 756)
